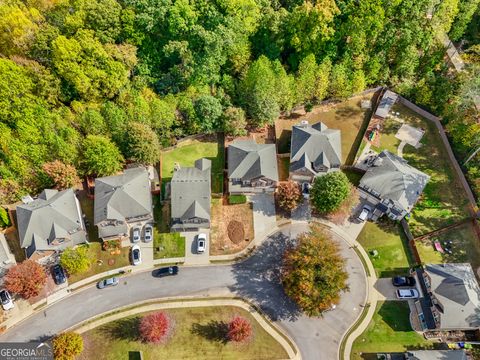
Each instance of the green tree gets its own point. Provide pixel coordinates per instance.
(4, 218)
(142, 144)
(466, 10)
(234, 122)
(322, 79)
(208, 110)
(340, 86)
(75, 260)
(67, 346)
(314, 273)
(329, 191)
(92, 122)
(306, 80)
(100, 156)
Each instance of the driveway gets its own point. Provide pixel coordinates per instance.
(264, 215)
(256, 279)
(191, 255)
(385, 289)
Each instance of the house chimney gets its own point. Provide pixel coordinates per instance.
(304, 123)
(27, 199)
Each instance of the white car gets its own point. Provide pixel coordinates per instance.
(148, 233)
(6, 299)
(364, 213)
(136, 255)
(201, 243)
(136, 234)
(407, 294)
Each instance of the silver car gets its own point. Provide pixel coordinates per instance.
(148, 233)
(136, 234)
(113, 281)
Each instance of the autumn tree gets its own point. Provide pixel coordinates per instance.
(329, 191)
(26, 279)
(67, 346)
(289, 195)
(142, 144)
(313, 272)
(155, 327)
(75, 260)
(63, 175)
(100, 157)
(239, 329)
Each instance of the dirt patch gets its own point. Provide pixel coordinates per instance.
(225, 236)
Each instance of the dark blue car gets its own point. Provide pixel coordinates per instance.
(58, 275)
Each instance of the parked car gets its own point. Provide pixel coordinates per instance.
(201, 243)
(6, 299)
(136, 255)
(148, 233)
(113, 281)
(364, 213)
(407, 294)
(166, 271)
(306, 190)
(58, 274)
(403, 281)
(136, 234)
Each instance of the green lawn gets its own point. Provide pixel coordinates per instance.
(390, 242)
(186, 155)
(465, 247)
(389, 331)
(199, 333)
(388, 141)
(168, 245)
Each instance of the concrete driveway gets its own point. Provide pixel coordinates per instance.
(264, 215)
(192, 257)
(256, 279)
(385, 289)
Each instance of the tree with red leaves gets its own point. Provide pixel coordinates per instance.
(155, 327)
(239, 329)
(289, 195)
(27, 279)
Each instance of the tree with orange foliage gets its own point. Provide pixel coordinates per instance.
(27, 279)
(239, 329)
(64, 176)
(289, 195)
(155, 327)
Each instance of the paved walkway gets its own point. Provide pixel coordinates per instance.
(400, 148)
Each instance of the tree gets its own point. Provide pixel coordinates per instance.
(234, 121)
(466, 10)
(313, 273)
(306, 79)
(100, 156)
(67, 346)
(155, 327)
(4, 217)
(239, 329)
(208, 110)
(329, 191)
(63, 176)
(323, 79)
(340, 86)
(26, 279)
(142, 144)
(75, 260)
(289, 195)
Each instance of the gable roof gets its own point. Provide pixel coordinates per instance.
(436, 355)
(123, 197)
(190, 191)
(53, 215)
(313, 146)
(456, 289)
(386, 102)
(393, 179)
(248, 160)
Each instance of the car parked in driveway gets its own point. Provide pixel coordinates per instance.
(403, 281)
(364, 213)
(136, 231)
(407, 294)
(148, 231)
(136, 255)
(113, 281)
(6, 299)
(166, 271)
(201, 243)
(58, 274)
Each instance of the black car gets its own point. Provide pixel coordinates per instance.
(58, 275)
(403, 281)
(166, 271)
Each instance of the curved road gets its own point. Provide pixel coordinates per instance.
(256, 279)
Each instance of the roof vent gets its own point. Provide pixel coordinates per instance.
(304, 123)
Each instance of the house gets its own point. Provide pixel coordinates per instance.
(122, 201)
(7, 259)
(315, 150)
(451, 298)
(391, 186)
(436, 355)
(385, 105)
(50, 223)
(190, 197)
(252, 167)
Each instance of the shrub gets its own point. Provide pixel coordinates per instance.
(237, 199)
(75, 260)
(289, 195)
(67, 346)
(26, 279)
(4, 218)
(155, 327)
(239, 329)
(330, 191)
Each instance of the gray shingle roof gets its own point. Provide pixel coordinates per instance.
(248, 160)
(392, 178)
(315, 145)
(190, 191)
(386, 102)
(53, 215)
(123, 197)
(455, 287)
(436, 355)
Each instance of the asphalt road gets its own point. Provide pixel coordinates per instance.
(256, 279)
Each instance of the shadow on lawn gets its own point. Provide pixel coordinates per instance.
(214, 331)
(122, 329)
